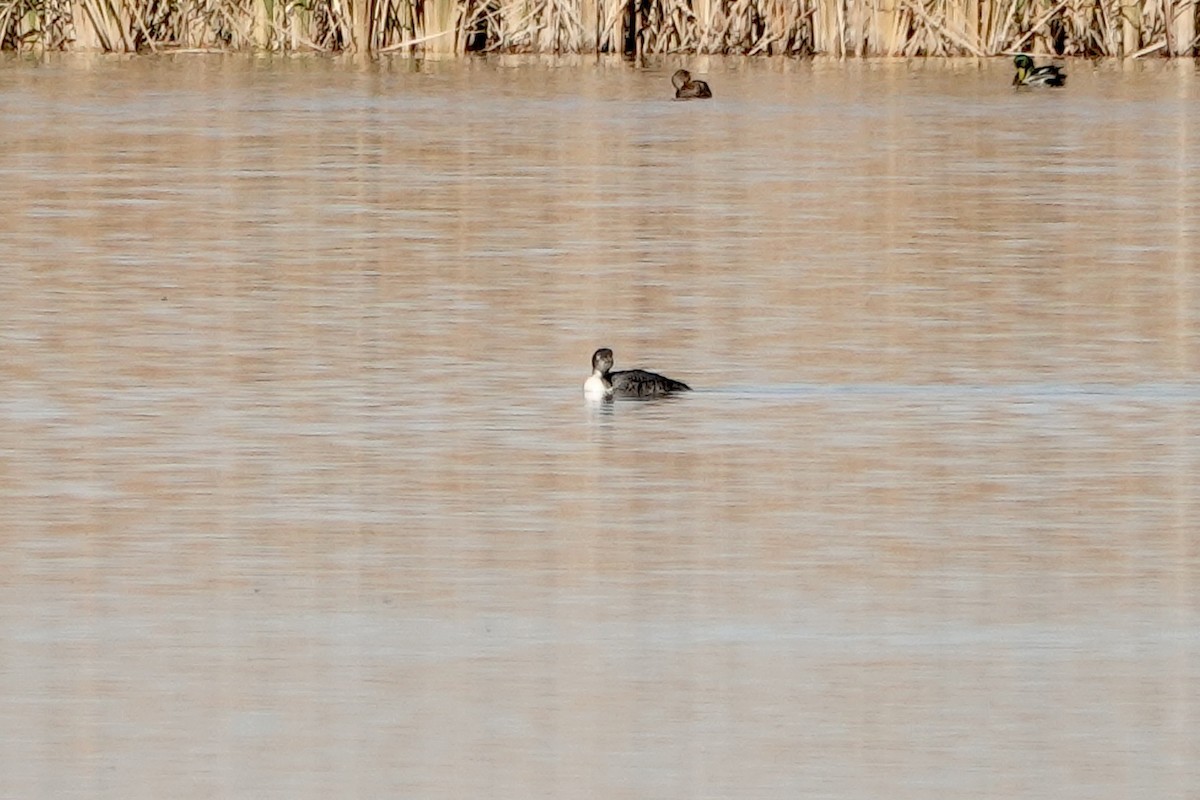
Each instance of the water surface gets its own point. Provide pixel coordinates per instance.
(300, 498)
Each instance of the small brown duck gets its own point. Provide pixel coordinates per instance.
(686, 88)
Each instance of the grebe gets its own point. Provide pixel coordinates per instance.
(686, 88)
(626, 383)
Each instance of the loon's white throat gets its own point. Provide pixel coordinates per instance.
(597, 387)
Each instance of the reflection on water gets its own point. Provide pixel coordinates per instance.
(301, 497)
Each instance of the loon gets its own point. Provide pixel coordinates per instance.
(686, 88)
(1029, 75)
(605, 383)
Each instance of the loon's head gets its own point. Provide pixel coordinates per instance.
(602, 361)
(598, 386)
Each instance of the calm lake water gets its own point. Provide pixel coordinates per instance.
(300, 498)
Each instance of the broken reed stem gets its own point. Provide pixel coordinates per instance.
(1122, 28)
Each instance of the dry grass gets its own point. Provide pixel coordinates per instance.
(1128, 28)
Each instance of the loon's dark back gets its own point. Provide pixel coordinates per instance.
(640, 383)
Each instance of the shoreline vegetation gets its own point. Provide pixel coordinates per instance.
(838, 28)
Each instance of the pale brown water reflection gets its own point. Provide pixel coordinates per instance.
(300, 497)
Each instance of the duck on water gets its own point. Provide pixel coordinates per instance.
(686, 88)
(1030, 75)
(605, 383)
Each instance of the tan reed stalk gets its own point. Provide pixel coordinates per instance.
(932, 25)
(852, 28)
(1131, 33)
(18, 23)
(100, 19)
(901, 23)
(340, 34)
(1106, 27)
(188, 26)
(730, 31)
(13, 29)
(514, 28)
(673, 26)
(607, 30)
(25, 21)
(1000, 21)
(699, 24)
(882, 28)
(404, 26)
(971, 23)
(1036, 34)
(518, 26)
(707, 16)
(1150, 20)
(883, 31)
(1104, 32)
(680, 31)
(695, 26)
(1181, 28)
(573, 26)
(986, 15)
(539, 25)
(261, 25)
(1083, 28)
(84, 33)
(827, 37)
(383, 26)
(360, 24)
(785, 28)
(588, 10)
(839, 32)
(941, 37)
(140, 26)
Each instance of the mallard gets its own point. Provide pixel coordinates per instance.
(1029, 75)
(604, 383)
(686, 88)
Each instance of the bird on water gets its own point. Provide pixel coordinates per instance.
(605, 383)
(1029, 75)
(686, 88)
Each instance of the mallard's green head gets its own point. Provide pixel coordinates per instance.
(1024, 65)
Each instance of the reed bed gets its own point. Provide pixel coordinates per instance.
(1121, 28)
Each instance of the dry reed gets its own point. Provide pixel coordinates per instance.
(1124, 28)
